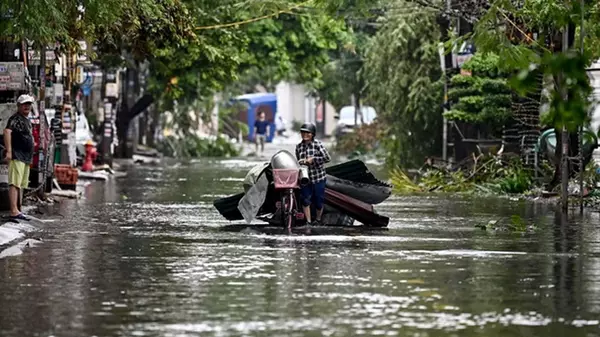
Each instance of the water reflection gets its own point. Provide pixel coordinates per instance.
(148, 255)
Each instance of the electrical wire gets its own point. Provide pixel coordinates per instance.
(289, 11)
(243, 22)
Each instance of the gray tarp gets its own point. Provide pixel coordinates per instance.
(253, 200)
(255, 188)
(253, 175)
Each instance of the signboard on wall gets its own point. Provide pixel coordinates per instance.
(55, 94)
(112, 90)
(35, 59)
(82, 55)
(12, 76)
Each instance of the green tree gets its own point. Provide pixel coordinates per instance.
(290, 46)
(343, 75)
(543, 57)
(228, 42)
(294, 45)
(528, 37)
(191, 48)
(402, 72)
(124, 33)
(482, 98)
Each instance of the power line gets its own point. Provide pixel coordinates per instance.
(243, 22)
(410, 10)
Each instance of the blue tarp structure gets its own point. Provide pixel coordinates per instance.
(266, 102)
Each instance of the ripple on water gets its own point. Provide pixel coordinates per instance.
(231, 179)
(383, 321)
(349, 238)
(239, 163)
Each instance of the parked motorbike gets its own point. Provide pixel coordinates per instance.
(288, 177)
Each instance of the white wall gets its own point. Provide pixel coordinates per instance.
(290, 101)
(595, 82)
(310, 106)
(330, 120)
(298, 103)
(283, 92)
(293, 105)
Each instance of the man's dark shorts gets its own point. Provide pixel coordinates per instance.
(314, 192)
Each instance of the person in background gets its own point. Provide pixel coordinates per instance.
(18, 142)
(261, 130)
(312, 152)
(280, 126)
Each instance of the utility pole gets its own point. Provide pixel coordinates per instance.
(42, 112)
(67, 117)
(581, 168)
(565, 138)
(42, 94)
(356, 101)
(445, 105)
(444, 73)
(110, 95)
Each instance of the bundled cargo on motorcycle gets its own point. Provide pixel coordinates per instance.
(272, 194)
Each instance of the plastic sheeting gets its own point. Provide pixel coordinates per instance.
(253, 175)
(254, 198)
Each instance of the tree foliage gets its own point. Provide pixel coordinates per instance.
(528, 39)
(294, 47)
(144, 27)
(569, 97)
(291, 45)
(343, 75)
(402, 72)
(482, 98)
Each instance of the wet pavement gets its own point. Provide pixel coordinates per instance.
(147, 255)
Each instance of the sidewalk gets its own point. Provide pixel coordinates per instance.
(16, 236)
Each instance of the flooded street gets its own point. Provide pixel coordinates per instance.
(147, 255)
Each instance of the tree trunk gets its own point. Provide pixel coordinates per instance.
(143, 128)
(572, 166)
(558, 160)
(153, 126)
(135, 95)
(357, 110)
(570, 39)
(125, 114)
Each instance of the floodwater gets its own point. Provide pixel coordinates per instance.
(149, 256)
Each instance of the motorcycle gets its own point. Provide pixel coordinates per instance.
(288, 176)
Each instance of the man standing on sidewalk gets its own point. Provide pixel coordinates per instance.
(261, 130)
(18, 141)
